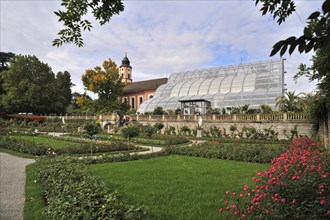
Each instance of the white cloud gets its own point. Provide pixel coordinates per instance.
(161, 37)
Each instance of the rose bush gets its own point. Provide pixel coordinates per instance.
(296, 186)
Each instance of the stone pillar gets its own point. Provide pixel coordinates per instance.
(285, 116)
(258, 117)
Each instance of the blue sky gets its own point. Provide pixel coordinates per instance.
(160, 37)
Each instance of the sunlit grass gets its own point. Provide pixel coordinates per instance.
(178, 187)
(34, 202)
(56, 144)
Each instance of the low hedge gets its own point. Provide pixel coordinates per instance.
(72, 193)
(156, 139)
(24, 146)
(14, 144)
(238, 152)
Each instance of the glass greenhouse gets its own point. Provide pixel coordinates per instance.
(220, 87)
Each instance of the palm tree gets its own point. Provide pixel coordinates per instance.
(290, 102)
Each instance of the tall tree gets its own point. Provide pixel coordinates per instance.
(4, 62)
(30, 87)
(63, 82)
(5, 58)
(75, 10)
(105, 82)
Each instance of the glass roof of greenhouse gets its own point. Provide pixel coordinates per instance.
(231, 86)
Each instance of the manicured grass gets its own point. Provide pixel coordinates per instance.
(34, 202)
(178, 187)
(56, 144)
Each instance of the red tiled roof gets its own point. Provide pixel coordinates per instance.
(141, 86)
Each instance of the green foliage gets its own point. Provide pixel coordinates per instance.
(30, 86)
(185, 130)
(20, 145)
(158, 126)
(64, 84)
(290, 102)
(92, 129)
(316, 32)
(296, 186)
(265, 109)
(169, 130)
(159, 111)
(72, 193)
(261, 153)
(74, 13)
(147, 130)
(105, 82)
(131, 131)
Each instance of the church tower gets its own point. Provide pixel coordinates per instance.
(125, 71)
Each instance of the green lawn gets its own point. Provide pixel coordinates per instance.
(178, 187)
(56, 144)
(34, 202)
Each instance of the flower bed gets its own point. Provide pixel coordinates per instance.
(72, 193)
(234, 151)
(296, 186)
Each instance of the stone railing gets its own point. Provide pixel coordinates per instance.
(225, 118)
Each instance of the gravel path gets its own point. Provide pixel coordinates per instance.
(12, 182)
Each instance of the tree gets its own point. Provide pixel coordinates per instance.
(316, 33)
(30, 87)
(316, 36)
(72, 18)
(290, 102)
(64, 84)
(107, 84)
(4, 62)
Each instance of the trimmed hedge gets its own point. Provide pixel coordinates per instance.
(24, 146)
(238, 152)
(14, 144)
(72, 193)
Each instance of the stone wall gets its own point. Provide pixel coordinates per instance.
(303, 127)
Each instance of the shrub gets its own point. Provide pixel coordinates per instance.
(158, 126)
(239, 152)
(296, 186)
(131, 131)
(185, 130)
(148, 130)
(22, 146)
(72, 193)
(159, 111)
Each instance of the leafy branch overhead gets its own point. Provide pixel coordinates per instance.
(316, 33)
(74, 22)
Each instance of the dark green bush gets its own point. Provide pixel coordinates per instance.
(238, 152)
(72, 193)
(23, 146)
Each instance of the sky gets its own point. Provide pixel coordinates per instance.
(160, 37)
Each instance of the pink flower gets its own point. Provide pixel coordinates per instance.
(227, 192)
(243, 215)
(227, 208)
(283, 200)
(323, 202)
(220, 211)
(294, 201)
(267, 212)
(226, 202)
(236, 213)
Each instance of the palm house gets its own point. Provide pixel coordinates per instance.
(195, 91)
